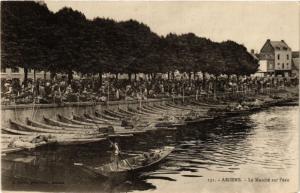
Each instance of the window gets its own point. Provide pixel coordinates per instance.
(282, 65)
(3, 70)
(287, 57)
(278, 56)
(15, 70)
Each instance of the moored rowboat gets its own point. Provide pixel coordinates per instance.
(131, 165)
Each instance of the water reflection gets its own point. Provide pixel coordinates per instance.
(227, 147)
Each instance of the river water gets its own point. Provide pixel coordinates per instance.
(249, 153)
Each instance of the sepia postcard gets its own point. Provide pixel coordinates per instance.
(150, 96)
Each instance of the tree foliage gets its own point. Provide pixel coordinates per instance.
(65, 41)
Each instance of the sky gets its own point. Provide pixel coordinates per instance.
(248, 23)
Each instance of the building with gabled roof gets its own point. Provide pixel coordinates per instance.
(277, 56)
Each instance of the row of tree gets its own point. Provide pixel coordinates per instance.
(36, 38)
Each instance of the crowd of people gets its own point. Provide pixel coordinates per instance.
(81, 90)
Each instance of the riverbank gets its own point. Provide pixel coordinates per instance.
(283, 92)
(37, 111)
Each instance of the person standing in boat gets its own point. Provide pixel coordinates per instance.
(115, 156)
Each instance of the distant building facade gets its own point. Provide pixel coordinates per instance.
(276, 57)
(18, 73)
(295, 64)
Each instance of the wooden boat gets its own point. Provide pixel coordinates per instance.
(105, 116)
(113, 122)
(178, 107)
(152, 109)
(127, 112)
(163, 107)
(17, 149)
(25, 127)
(199, 119)
(229, 113)
(120, 113)
(173, 107)
(147, 111)
(144, 111)
(5, 151)
(72, 121)
(74, 141)
(42, 125)
(19, 132)
(62, 124)
(137, 112)
(5, 136)
(125, 132)
(131, 165)
(158, 107)
(25, 142)
(60, 139)
(85, 120)
(209, 105)
(116, 129)
(115, 114)
(98, 124)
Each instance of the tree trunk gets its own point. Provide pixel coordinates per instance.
(190, 76)
(100, 77)
(45, 75)
(173, 75)
(34, 75)
(117, 76)
(228, 78)
(135, 76)
(154, 75)
(129, 76)
(70, 76)
(25, 76)
(204, 81)
(215, 89)
(168, 75)
(93, 82)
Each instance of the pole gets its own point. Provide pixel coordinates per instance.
(108, 94)
(141, 101)
(183, 94)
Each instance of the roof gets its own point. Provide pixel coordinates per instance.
(255, 56)
(295, 54)
(295, 63)
(271, 46)
(279, 45)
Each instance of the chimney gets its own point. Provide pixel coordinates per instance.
(268, 40)
(252, 51)
(282, 41)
